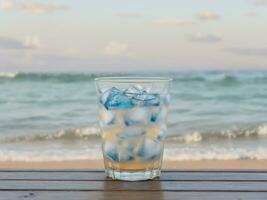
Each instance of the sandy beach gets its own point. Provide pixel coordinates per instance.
(98, 164)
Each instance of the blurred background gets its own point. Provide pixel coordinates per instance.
(60, 35)
(51, 51)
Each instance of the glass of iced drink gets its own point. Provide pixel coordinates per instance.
(132, 118)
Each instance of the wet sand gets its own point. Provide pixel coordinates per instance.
(98, 164)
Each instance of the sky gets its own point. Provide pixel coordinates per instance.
(78, 35)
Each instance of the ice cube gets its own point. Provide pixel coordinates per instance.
(160, 135)
(156, 131)
(114, 98)
(152, 101)
(135, 116)
(167, 99)
(115, 152)
(146, 99)
(110, 150)
(154, 113)
(151, 150)
(106, 117)
(134, 90)
(144, 96)
(105, 94)
(153, 117)
(119, 101)
(133, 144)
(124, 155)
(159, 115)
(129, 133)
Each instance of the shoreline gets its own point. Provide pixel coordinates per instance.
(98, 164)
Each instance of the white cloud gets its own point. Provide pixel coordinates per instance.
(258, 2)
(248, 51)
(205, 38)
(31, 7)
(7, 4)
(252, 14)
(7, 43)
(32, 42)
(40, 8)
(114, 48)
(208, 15)
(173, 21)
(127, 15)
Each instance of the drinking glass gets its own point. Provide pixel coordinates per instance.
(132, 118)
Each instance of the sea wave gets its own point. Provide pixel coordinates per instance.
(91, 132)
(56, 77)
(8, 74)
(186, 78)
(225, 134)
(215, 153)
(206, 77)
(94, 152)
(219, 78)
(174, 154)
(222, 79)
(227, 80)
(64, 134)
(53, 77)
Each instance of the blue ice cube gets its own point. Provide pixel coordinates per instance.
(114, 98)
(150, 150)
(129, 133)
(105, 94)
(146, 99)
(142, 97)
(152, 101)
(118, 101)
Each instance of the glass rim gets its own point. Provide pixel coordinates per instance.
(133, 79)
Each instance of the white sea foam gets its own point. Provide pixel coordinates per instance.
(189, 137)
(64, 134)
(51, 155)
(180, 154)
(77, 132)
(227, 134)
(174, 154)
(262, 130)
(8, 74)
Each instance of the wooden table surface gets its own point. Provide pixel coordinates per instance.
(88, 184)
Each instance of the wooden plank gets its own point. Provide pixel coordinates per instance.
(33, 195)
(164, 170)
(132, 186)
(100, 175)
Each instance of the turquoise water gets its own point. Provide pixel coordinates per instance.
(213, 115)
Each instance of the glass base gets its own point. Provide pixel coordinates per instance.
(133, 175)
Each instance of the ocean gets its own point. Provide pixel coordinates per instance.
(214, 115)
